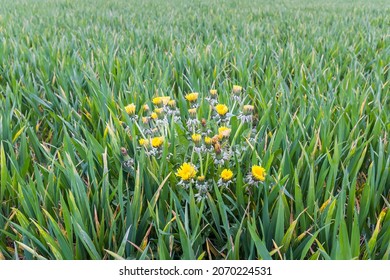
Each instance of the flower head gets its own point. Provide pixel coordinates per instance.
(226, 175)
(159, 111)
(165, 99)
(237, 89)
(143, 142)
(258, 173)
(192, 112)
(196, 137)
(223, 132)
(213, 92)
(130, 109)
(161, 100)
(172, 103)
(221, 109)
(192, 97)
(248, 109)
(186, 171)
(157, 101)
(201, 178)
(154, 115)
(146, 107)
(157, 141)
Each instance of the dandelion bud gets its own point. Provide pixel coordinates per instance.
(172, 104)
(213, 92)
(201, 178)
(248, 109)
(237, 89)
(192, 112)
(217, 148)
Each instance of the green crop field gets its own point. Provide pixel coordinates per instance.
(235, 129)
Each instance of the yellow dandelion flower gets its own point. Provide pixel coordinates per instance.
(143, 142)
(223, 132)
(237, 89)
(130, 109)
(208, 140)
(157, 141)
(172, 103)
(213, 91)
(192, 97)
(226, 174)
(146, 107)
(196, 137)
(165, 99)
(192, 112)
(186, 171)
(154, 115)
(258, 172)
(201, 178)
(145, 120)
(221, 109)
(159, 111)
(157, 100)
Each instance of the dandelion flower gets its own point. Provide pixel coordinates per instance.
(154, 116)
(223, 132)
(237, 89)
(165, 99)
(258, 172)
(146, 107)
(186, 171)
(196, 137)
(246, 116)
(143, 141)
(192, 112)
(201, 178)
(157, 141)
(226, 175)
(248, 109)
(130, 109)
(225, 178)
(256, 175)
(159, 111)
(192, 97)
(213, 92)
(212, 98)
(157, 101)
(221, 109)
